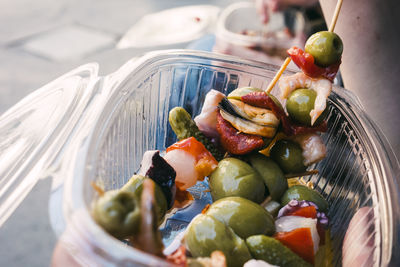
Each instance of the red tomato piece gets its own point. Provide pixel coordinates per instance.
(305, 62)
(299, 241)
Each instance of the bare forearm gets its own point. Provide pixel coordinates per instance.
(371, 34)
(370, 30)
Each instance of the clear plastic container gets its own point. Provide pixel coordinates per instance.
(98, 128)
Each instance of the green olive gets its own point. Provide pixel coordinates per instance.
(273, 207)
(206, 234)
(118, 213)
(288, 155)
(271, 173)
(301, 192)
(274, 252)
(326, 48)
(299, 105)
(239, 92)
(245, 217)
(234, 177)
(135, 185)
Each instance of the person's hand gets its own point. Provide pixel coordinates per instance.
(264, 7)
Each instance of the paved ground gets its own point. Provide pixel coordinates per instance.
(32, 53)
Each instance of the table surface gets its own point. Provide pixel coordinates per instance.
(32, 35)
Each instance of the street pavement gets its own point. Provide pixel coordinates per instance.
(39, 41)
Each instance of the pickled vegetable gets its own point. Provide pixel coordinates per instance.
(118, 213)
(206, 234)
(272, 251)
(135, 185)
(288, 155)
(245, 217)
(271, 174)
(234, 177)
(301, 192)
(326, 48)
(272, 207)
(184, 127)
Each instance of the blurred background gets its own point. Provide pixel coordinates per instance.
(39, 41)
(43, 39)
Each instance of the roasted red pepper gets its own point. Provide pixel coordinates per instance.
(299, 241)
(305, 62)
(307, 212)
(193, 147)
(310, 212)
(262, 100)
(235, 142)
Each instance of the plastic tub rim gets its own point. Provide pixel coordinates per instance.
(120, 251)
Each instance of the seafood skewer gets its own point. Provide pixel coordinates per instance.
(288, 59)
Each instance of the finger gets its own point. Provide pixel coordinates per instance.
(262, 10)
(274, 5)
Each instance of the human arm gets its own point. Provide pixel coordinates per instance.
(370, 63)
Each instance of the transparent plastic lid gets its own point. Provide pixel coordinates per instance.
(34, 132)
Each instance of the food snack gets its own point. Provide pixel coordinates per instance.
(245, 145)
(242, 186)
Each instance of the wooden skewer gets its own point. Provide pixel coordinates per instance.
(288, 59)
(266, 201)
(278, 75)
(306, 173)
(97, 188)
(335, 15)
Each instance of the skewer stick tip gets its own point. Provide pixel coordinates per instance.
(335, 15)
(288, 59)
(278, 75)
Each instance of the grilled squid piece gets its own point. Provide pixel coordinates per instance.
(191, 162)
(248, 126)
(241, 117)
(321, 86)
(257, 115)
(206, 121)
(313, 147)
